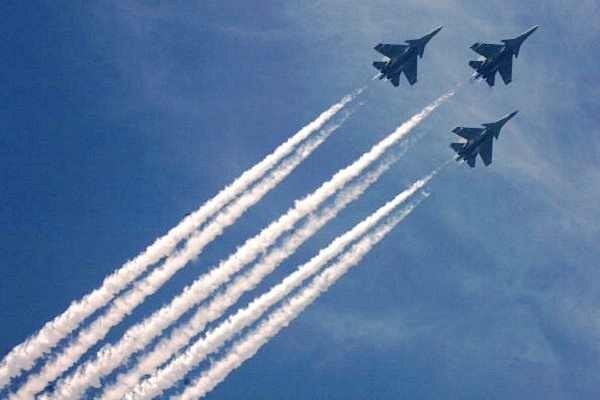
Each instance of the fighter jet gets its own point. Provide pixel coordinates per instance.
(479, 141)
(497, 58)
(402, 58)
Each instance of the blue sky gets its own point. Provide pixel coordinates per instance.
(121, 117)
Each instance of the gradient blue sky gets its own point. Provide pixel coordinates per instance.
(120, 117)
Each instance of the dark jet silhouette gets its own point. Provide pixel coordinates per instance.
(479, 141)
(402, 58)
(497, 58)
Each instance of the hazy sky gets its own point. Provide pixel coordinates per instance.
(121, 117)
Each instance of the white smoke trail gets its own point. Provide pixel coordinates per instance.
(250, 250)
(124, 304)
(217, 306)
(214, 339)
(141, 334)
(23, 356)
(280, 318)
(202, 287)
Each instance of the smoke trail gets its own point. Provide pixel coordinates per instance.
(217, 306)
(247, 253)
(124, 304)
(202, 287)
(22, 357)
(253, 247)
(280, 318)
(214, 339)
(141, 334)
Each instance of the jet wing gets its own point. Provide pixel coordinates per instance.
(467, 133)
(505, 70)
(410, 70)
(487, 50)
(485, 150)
(390, 50)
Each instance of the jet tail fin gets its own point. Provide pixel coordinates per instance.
(475, 64)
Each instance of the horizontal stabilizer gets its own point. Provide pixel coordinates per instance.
(475, 64)
(457, 147)
(380, 65)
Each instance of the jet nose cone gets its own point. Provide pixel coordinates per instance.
(434, 32)
(431, 34)
(505, 119)
(530, 31)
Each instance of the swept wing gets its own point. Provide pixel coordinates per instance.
(485, 150)
(505, 70)
(410, 70)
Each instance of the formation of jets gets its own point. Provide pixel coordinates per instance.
(495, 58)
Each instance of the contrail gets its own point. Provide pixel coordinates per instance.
(202, 287)
(214, 339)
(181, 335)
(124, 304)
(280, 318)
(23, 356)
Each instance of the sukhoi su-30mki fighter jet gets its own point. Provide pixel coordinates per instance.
(402, 58)
(497, 58)
(479, 141)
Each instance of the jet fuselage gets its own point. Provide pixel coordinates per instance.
(491, 65)
(396, 65)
